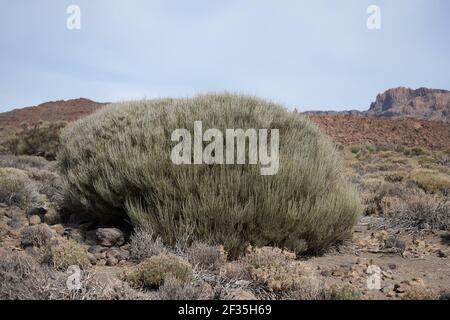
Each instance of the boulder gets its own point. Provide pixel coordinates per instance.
(110, 237)
(52, 217)
(34, 220)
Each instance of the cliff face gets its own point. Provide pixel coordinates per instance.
(423, 103)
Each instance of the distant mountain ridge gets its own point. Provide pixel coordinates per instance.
(422, 103)
(61, 110)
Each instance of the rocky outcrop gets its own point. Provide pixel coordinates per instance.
(422, 103)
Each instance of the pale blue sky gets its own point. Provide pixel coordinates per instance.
(312, 55)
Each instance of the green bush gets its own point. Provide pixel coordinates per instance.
(116, 164)
(41, 139)
(155, 270)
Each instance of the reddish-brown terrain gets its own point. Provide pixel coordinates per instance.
(374, 126)
(349, 130)
(62, 110)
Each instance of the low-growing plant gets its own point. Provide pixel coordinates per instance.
(144, 244)
(206, 256)
(423, 211)
(38, 236)
(278, 269)
(17, 189)
(431, 181)
(152, 272)
(116, 164)
(346, 292)
(420, 293)
(174, 289)
(21, 278)
(69, 253)
(41, 139)
(24, 162)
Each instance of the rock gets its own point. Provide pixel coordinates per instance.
(242, 283)
(58, 228)
(92, 258)
(392, 266)
(110, 237)
(122, 263)
(101, 262)
(117, 253)
(98, 251)
(400, 288)
(111, 261)
(74, 234)
(239, 294)
(417, 282)
(422, 103)
(445, 296)
(388, 288)
(361, 227)
(442, 254)
(394, 242)
(126, 247)
(36, 211)
(34, 220)
(52, 217)
(206, 291)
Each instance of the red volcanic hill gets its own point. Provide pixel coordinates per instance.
(62, 110)
(345, 128)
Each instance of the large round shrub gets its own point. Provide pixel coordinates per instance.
(117, 165)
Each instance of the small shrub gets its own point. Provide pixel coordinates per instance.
(16, 188)
(278, 269)
(174, 289)
(144, 244)
(423, 211)
(309, 201)
(430, 181)
(24, 162)
(418, 151)
(69, 253)
(420, 293)
(36, 236)
(21, 278)
(48, 183)
(345, 292)
(235, 270)
(41, 139)
(155, 270)
(206, 256)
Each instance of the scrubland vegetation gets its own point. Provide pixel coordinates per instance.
(140, 227)
(117, 165)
